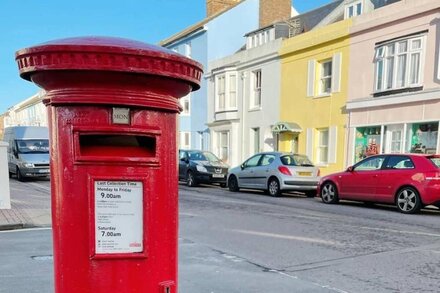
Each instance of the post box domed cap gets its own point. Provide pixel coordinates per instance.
(107, 54)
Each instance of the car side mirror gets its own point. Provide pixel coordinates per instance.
(184, 160)
(350, 169)
(15, 152)
(242, 166)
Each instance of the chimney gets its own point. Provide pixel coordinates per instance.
(216, 6)
(274, 10)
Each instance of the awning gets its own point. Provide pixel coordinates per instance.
(286, 127)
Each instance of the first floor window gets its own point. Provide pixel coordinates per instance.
(256, 89)
(398, 64)
(185, 140)
(323, 145)
(325, 84)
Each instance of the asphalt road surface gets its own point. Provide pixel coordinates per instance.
(349, 247)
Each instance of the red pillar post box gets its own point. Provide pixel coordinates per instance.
(112, 106)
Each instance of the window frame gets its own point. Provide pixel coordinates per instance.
(182, 138)
(182, 101)
(323, 148)
(256, 97)
(220, 145)
(225, 96)
(392, 50)
(323, 77)
(354, 6)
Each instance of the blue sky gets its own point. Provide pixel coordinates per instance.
(30, 22)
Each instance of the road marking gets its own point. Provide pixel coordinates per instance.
(289, 237)
(25, 230)
(401, 231)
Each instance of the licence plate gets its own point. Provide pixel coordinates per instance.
(305, 173)
(218, 175)
(44, 171)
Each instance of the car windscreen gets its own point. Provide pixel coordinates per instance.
(203, 156)
(296, 160)
(33, 146)
(436, 161)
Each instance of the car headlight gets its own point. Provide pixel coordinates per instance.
(201, 169)
(28, 165)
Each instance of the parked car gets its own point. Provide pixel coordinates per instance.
(28, 151)
(275, 172)
(410, 181)
(201, 167)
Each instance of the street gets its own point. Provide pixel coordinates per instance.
(250, 242)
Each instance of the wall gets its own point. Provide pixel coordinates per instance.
(314, 112)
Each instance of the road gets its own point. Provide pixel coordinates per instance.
(250, 242)
(349, 247)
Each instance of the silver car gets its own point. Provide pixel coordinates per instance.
(275, 172)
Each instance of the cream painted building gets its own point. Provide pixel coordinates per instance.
(394, 81)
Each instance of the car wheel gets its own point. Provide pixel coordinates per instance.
(190, 179)
(222, 185)
(329, 193)
(20, 177)
(273, 187)
(408, 200)
(233, 184)
(311, 193)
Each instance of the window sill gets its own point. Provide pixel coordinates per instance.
(255, 109)
(324, 95)
(322, 165)
(398, 91)
(225, 111)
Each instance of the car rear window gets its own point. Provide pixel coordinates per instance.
(436, 161)
(296, 160)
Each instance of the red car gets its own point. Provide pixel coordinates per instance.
(410, 181)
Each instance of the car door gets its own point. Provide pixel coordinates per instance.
(247, 177)
(262, 172)
(398, 170)
(183, 164)
(360, 183)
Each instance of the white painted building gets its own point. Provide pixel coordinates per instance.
(240, 86)
(30, 112)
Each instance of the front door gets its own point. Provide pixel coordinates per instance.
(394, 139)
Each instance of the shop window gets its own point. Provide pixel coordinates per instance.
(422, 138)
(367, 142)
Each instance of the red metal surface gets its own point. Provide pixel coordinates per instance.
(84, 79)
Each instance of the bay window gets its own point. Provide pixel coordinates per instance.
(398, 64)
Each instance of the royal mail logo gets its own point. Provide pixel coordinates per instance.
(135, 244)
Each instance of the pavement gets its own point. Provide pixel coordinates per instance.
(28, 210)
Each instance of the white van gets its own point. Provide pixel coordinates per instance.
(28, 151)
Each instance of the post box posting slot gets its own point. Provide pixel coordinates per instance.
(130, 146)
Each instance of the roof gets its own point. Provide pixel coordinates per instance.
(195, 28)
(312, 18)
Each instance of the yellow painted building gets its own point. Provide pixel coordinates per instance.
(314, 77)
